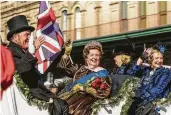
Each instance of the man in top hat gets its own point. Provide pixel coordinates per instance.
(18, 35)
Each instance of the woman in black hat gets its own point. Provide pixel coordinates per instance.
(123, 67)
(122, 63)
(18, 35)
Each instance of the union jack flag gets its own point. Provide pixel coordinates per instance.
(49, 28)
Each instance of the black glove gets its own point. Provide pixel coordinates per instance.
(144, 56)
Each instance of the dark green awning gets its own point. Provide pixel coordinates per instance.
(140, 34)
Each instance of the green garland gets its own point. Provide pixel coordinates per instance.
(164, 101)
(32, 101)
(126, 92)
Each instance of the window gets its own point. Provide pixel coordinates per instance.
(142, 14)
(105, 12)
(90, 15)
(124, 10)
(78, 23)
(163, 9)
(142, 8)
(64, 20)
(163, 6)
(64, 24)
(124, 17)
(77, 18)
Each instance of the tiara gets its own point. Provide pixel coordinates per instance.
(93, 43)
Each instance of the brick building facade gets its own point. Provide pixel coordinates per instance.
(83, 20)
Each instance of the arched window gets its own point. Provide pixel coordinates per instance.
(90, 14)
(78, 23)
(64, 20)
(64, 24)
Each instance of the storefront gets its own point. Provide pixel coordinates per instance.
(139, 39)
(120, 42)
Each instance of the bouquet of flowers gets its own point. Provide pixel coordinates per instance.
(96, 86)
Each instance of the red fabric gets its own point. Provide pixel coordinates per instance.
(7, 68)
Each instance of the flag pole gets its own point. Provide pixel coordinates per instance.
(71, 59)
(70, 55)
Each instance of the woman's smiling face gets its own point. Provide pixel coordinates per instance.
(157, 60)
(93, 58)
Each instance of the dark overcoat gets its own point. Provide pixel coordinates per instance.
(25, 65)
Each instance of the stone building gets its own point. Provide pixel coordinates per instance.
(113, 23)
(83, 20)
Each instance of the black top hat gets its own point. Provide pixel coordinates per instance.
(18, 24)
(126, 49)
(118, 50)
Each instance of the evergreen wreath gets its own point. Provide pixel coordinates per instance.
(164, 101)
(126, 92)
(32, 101)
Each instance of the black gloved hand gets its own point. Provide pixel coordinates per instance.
(146, 54)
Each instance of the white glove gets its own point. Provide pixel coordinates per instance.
(31, 47)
